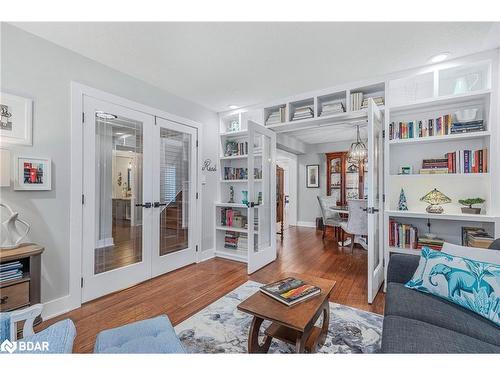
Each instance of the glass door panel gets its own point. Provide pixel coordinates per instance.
(118, 177)
(262, 196)
(116, 192)
(174, 189)
(336, 179)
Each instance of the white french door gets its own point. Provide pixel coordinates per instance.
(261, 196)
(139, 197)
(117, 185)
(374, 203)
(174, 191)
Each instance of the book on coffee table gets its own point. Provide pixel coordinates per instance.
(290, 291)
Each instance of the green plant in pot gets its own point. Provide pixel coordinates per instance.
(469, 202)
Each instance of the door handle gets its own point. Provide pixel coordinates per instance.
(287, 200)
(145, 205)
(158, 204)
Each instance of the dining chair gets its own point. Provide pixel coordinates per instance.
(357, 223)
(330, 217)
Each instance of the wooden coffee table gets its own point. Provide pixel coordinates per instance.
(295, 324)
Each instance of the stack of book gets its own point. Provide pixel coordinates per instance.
(332, 107)
(403, 236)
(476, 237)
(431, 243)
(356, 101)
(434, 166)
(467, 127)
(11, 271)
(379, 100)
(302, 113)
(231, 240)
(290, 291)
(468, 161)
(277, 116)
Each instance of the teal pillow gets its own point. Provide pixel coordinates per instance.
(468, 283)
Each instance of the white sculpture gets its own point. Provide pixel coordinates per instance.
(10, 235)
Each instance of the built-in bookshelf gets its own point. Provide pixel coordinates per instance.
(325, 108)
(243, 210)
(429, 144)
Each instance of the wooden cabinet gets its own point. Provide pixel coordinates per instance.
(344, 180)
(19, 293)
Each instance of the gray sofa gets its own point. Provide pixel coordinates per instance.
(415, 322)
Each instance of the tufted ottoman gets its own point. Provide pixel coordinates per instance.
(154, 335)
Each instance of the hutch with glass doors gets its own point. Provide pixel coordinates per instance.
(245, 213)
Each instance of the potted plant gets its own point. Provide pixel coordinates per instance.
(468, 203)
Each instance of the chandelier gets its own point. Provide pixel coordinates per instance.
(358, 151)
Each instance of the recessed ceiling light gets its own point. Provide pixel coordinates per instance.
(439, 57)
(105, 116)
(232, 106)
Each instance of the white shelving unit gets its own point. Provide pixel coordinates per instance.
(430, 95)
(256, 156)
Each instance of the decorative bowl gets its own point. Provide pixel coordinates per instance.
(465, 115)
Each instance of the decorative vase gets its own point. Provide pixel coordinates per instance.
(245, 197)
(402, 205)
(11, 237)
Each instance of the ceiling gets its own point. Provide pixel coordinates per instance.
(222, 64)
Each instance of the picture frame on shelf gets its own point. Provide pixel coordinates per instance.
(33, 173)
(16, 120)
(405, 169)
(312, 176)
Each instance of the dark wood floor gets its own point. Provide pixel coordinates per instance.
(186, 291)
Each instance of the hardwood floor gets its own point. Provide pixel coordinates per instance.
(184, 292)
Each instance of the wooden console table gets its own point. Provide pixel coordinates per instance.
(16, 294)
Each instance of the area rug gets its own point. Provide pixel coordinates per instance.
(221, 328)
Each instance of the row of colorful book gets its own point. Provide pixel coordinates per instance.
(427, 128)
(11, 271)
(405, 236)
(461, 161)
(232, 218)
(231, 173)
(233, 148)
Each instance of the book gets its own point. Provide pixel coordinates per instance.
(290, 291)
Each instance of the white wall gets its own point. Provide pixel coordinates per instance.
(308, 207)
(38, 69)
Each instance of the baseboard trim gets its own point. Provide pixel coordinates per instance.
(56, 307)
(308, 224)
(206, 255)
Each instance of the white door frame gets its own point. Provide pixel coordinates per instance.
(290, 160)
(78, 90)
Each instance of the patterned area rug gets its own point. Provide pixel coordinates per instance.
(221, 328)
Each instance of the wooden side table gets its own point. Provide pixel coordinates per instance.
(16, 294)
(294, 324)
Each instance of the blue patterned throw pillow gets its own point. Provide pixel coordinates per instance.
(471, 284)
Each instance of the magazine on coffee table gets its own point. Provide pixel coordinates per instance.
(290, 291)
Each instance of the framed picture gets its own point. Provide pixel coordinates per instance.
(33, 174)
(312, 176)
(15, 119)
(405, 169)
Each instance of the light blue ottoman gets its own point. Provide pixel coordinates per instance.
(154, 335)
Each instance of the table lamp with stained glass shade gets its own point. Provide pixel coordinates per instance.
(435, 198)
